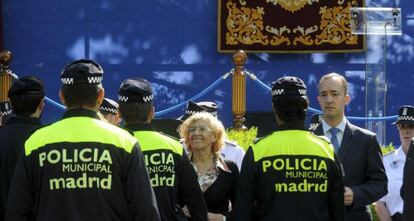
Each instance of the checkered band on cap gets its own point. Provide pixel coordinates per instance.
(5, 113)
(122, 99)
(405, 118)
(278, 92)
(127, 99)
(82, 71)
(90, 80)
(5, 108)
(192, 112)
(288, 85)
(405, 115)
(108, 109)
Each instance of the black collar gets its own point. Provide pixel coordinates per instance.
(23, 119)
(139, 127)
(291, 126)
(80, 113)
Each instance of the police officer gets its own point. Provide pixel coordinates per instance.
(407, 190)
(291, 174)
(390, 207)
(81, 168)
(172, 177)
(109, 110)
(231, 150)
(27, 97)
(5, 111)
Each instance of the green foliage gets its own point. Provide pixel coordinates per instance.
(244, 138)
(388, 148)
(374, 214)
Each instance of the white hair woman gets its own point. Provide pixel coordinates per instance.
(204, 136)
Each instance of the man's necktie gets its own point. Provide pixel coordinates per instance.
(334, 139)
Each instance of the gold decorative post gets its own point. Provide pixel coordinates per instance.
(5, 77)
(239, 90)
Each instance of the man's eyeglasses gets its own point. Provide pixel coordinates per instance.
(201, 130)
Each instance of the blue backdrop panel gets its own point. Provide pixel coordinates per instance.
(173, 43)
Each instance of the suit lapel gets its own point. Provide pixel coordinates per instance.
(346, 141)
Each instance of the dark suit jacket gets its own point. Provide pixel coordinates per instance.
(407, 190)
(364, 171)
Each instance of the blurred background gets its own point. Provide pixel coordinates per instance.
(173, 44)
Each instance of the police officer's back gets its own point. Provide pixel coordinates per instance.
(172, 177)
(81, 168)
(27, 97)
(291, 174)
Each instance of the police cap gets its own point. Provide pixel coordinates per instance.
(109, 106)
(405, 115)
(26, 85)
(135, 90)
(288, 86)
(204, 106)
(5, 108)
(82, 71)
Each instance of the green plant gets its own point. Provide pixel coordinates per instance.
(388, 148)
(244, 138)
(374, 214)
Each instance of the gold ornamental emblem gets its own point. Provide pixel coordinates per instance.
(292, 5)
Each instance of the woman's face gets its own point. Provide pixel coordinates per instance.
(200, 135)
(406, 133)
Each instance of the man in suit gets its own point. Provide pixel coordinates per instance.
(358, 150)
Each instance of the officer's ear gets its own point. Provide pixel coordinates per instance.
(101, 95)
(62, 98)
(151, 113)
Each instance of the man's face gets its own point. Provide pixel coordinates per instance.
(406, 132)
(332, 98)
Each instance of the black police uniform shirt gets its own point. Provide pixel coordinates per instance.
(81, 168)
(407, 190)
(171, 174)
(290, 175)
(12, 137)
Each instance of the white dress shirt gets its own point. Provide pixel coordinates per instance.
(341, 129)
